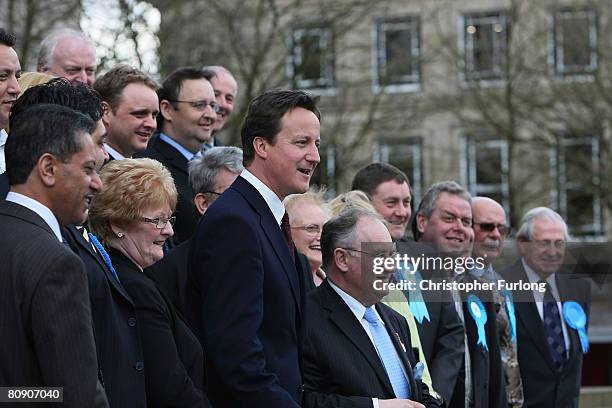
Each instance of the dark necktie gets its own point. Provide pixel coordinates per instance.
(554, 330)
(286, 228)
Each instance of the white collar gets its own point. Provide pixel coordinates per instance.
(44, 212)
(535, 278)
(275, 203)
(3, 137)
(116, 155)
(356, 306)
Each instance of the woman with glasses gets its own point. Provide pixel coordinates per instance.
(132, 216)
(307, 214)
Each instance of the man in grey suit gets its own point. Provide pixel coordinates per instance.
(46, 323)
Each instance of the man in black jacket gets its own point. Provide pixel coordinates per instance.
(188, 110)
(358, 351)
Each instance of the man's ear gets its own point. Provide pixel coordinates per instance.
(166, 110)
(421, 222)
(201, 202)
(341, 259)
(47, 167)
(107, 111)
(260, 146)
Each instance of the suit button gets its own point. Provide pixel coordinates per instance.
(139, 366)
(132, 321)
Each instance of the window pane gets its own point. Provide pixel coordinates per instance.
(488, 165)
(576, 47)
(485, 45)
(398, 52)
(483, 48)
(579, 209)
(312, 58)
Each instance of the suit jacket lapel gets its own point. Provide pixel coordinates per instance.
(174, 156)
(527, 313)
(80, 240)
(342, 317)
(273, 232)
(25, 214)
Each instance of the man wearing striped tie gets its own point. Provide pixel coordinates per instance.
(358, 351)
(551, 319)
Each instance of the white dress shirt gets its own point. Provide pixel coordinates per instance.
(274, 203)
(3, 137)
(116, 155)
(44, 212)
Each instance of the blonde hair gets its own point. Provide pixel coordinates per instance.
(129, 186)
(353, 198)
(313, 196)
(30, 79)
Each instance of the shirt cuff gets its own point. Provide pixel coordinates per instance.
(375, 402)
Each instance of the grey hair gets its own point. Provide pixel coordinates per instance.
(49, 43)
(340, 232)
(526, 229)
(203, 171)
(217, 68)
(430, 200)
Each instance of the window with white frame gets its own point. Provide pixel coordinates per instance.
(311, 61)
(397, 53)
(574, 42)
(485, 41)
(406, 155)
(325, 173)
(576, 164)
(487, 168)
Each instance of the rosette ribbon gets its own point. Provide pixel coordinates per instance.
(479, 315)
(576, 319)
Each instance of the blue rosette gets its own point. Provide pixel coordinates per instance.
(511, 313)
(417, 304)
(576, 318)
(479, 314)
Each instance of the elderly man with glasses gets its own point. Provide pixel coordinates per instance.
(551, 324)
(490, 230)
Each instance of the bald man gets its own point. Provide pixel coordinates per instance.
(490, 230)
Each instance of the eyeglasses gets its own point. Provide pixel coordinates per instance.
(312, 229)
(391, 254)
(490, 226)
(160, 223)
(211, 192)
(545, 244)
(201, 105)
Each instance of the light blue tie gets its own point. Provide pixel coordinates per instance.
(388, 355)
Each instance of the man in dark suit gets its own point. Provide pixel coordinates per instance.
(46, 321)
(358, 351)
(187, 116)
(9, 89)
(444, 222)
(549, 349)
(114, 317)
(209, 176)
(248, 298)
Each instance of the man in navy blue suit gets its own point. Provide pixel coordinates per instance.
(245, 291)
